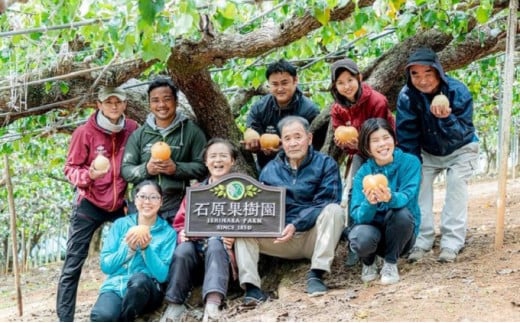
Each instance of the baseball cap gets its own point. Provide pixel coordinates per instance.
(347, 64)
(423, 56)
(105, 92)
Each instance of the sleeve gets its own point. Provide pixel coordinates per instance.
(459, 123)
(133, 169)
(336, 116)
(361, 210)
(254, 118)
(329, 191)
(194, 168)
(408, 123)
(158, 260)
(409, 182)
(115, 251)
(179, 223)
(78, 163)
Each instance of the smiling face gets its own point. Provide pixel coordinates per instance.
(219, 160)
(163, 105)
(148, 201)
(347, 85)
(425, 78)
(112, 108)
(295, 142)
(282, 86)
(381, 146)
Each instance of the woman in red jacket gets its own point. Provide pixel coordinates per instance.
(196, 258)
(354, 102)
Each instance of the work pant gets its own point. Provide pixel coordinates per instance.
(318, 244)
(459, 167)
(143, 295)
(389, 239)
(85, 219)
(194, 262)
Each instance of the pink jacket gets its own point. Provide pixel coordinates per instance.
(89, 140)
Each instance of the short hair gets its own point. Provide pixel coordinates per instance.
(160, 82)
(293, 119)
(217, 140)
(280, 66)
(146, 182)
(370, 126)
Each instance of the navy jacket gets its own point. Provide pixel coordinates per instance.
(310, 188)
(265, 115)
(418, 128)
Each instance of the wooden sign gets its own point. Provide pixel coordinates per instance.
(236, 206)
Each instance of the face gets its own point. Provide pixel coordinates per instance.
(148, 201)
(112, 108)
(219, 160)
(381, 146)
(282, 86)
(425, 78)
(163, 105)
(295, 142)
(347, 85)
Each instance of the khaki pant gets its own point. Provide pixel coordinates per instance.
(317, 244)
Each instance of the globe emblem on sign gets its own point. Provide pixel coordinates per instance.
(235, 190)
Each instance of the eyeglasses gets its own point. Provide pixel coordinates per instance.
(152, 198)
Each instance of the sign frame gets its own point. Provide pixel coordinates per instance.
(235, 188)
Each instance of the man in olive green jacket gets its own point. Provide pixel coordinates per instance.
(186, 141)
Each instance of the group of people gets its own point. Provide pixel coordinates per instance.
(147, 256)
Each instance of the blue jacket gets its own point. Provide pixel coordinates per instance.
(404, 180)
(418, 128)
(118, 262)
(265, 115)
(310, 188)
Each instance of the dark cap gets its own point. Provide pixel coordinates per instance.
(345, 63)
(423, 56)
(106, 92)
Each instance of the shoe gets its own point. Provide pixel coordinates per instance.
(447, 255)
(389, 274)
(352, 259)
(316, 287)
(369, 272)
(173, 313)
(416, 254)
(211, 313)
(254, 296)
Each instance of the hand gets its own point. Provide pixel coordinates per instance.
(252, 145)
(156, 167)
(95, 174)
(182, 236)
(440, 111)
(350, 145)
(138, 236)
(287, 234)
(379, 194)
(270, 151)
(228, 242)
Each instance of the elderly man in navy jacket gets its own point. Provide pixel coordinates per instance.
(314, 220)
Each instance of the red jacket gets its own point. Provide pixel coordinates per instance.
(371, 104)
(89, 140)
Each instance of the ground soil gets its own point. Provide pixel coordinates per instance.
(482, 285)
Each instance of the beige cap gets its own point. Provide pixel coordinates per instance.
(106, 92)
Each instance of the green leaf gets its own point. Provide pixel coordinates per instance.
(149, 9)
(482, 14)
(183, 23)
(323, 16)
(64, 87)
(229, 11)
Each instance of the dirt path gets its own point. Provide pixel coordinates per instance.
(482, 285)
